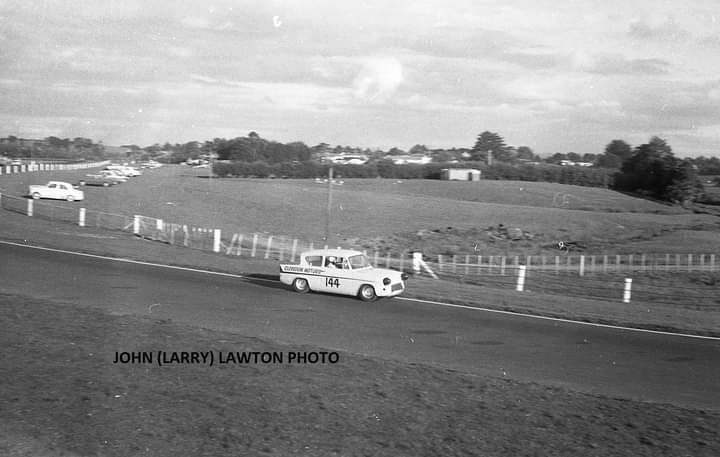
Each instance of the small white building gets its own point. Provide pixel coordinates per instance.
(460, 174)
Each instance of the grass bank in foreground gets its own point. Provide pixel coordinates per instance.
(61, 394)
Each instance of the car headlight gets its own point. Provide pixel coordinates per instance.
(404, 276)
(387, 281)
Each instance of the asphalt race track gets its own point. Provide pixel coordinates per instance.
(613, 362)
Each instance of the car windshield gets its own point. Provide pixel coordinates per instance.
(358, 261)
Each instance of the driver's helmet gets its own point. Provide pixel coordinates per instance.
(331, 259)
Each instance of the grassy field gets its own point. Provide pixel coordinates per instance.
(435, 217)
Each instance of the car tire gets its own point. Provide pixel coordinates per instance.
(367, 293)
(301, 285)
(70, 198)
(82, 183)
(36, 196)
(105, 184)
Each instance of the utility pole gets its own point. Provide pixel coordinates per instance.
(329, 206)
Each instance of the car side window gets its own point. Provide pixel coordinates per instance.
(314, 260)
(62, 186)
(52, 186)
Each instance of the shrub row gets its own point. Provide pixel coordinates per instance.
(594, 177)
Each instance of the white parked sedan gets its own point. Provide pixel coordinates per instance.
(342, 271)
(56, 189)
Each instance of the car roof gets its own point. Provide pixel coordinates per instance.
(332, 252)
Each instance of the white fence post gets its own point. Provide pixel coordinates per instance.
(417, 258)
(254, 246)
(628, 287)
(294, 250)
(269, 246)
(216, 240)
(30, 207)
(136, 225)
(521, 278)
(582, 265)
(418, 262)
(81, 221)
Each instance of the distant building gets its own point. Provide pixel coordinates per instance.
(347, 159)
(420, 159)
(570, 163)
(460, 174)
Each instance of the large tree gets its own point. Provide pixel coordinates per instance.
(525, 153)
(616, 152)
(490, 143)
(653, 170)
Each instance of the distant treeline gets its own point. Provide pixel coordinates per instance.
(581, 176)
(52, 147)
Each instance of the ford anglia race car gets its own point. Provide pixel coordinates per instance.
(342, 271)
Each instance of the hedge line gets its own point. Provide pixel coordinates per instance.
(593, 177)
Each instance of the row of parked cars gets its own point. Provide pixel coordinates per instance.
(111, 175)
(60, 190)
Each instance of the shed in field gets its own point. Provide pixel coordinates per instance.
(460, 174)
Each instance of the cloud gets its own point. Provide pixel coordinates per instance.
(378, 79)
(616, 64)
(668, 30)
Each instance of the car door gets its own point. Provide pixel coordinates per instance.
(61, 191)
(51, 191)
(317, 278)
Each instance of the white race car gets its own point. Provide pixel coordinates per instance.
(342, 271)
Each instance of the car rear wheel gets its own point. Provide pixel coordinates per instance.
(105, 184)
(70, 198)
(300, 285)
(36, 195)
(367, 293)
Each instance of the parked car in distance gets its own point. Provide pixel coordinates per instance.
(342, 271)
(98, 179)
(56, 190)
(114, 175)
(125, 170)
(150, 164)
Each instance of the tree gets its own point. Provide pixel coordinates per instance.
(574, 156)
(418, 149)
(490, 144)
(616, 152)
(589, 157)
(620, 149)
(525, 153)
(653, 170)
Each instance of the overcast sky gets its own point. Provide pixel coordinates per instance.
(557, 76)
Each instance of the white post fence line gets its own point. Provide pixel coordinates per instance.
(81, 218)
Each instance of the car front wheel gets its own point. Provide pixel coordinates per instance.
(300, 285)
(36, 196)
(70, 198)
(367, 293)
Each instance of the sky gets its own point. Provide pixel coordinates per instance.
(556, 76)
